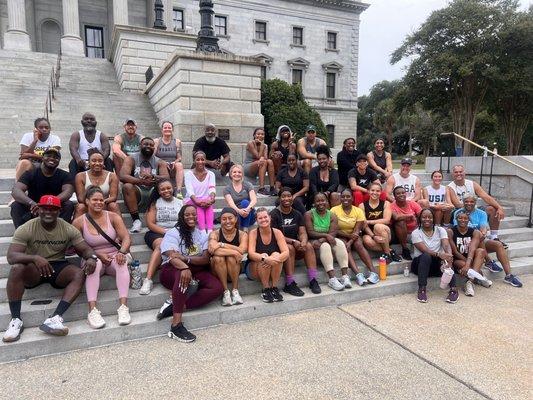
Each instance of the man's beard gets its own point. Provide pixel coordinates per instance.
(148, 153)
(210, 139)
(89, 126)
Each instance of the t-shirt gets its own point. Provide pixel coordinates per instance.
(213, 151)
(296, 182)
(346, 222)
(166, 212)
(172, 241)
(48, 244)
(40, 147)
(39, 185)
(411, 208)
(237, 197)
(363, 180)
(289, 224)
(433, 243)
(462, 241)
(477, 219)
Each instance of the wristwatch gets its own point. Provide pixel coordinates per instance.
(93, 256)
(222, 244)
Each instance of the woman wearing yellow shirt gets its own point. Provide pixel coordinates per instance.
(351, 220)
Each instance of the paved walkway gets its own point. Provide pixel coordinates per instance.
(395, 348)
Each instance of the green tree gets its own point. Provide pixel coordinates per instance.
(386, 117)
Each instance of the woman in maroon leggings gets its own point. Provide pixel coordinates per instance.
(185, 257)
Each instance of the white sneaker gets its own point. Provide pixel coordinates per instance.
(124, 317)
(54, 326)
(345, 280)
(226, 298)
(484, 282)
(136, 226)
(469, 289)
(13, 331)
(147, 286)
(236, 297)
(335, 284)
(360, 279)
(95, 320)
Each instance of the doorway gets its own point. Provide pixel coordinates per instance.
(50, 37)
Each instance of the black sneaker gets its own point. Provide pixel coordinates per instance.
(181, 334)
(394, 257)
(263, 192)
(166, 310)
(406, 254)
(266, 296)
(314, 286)
(276, 294)
(273, 191)
(293, 290)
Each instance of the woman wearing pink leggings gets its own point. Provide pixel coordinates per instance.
(111, 261)
(200, 186)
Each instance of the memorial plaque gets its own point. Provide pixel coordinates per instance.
(223, 134)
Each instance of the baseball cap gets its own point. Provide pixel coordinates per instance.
(52, 150)
(406, 160)
(310, 128)
(128, 120)
(50, 201)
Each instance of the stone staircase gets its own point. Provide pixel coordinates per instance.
(144, 308)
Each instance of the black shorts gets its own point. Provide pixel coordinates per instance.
(434, 267)
(150, 237)
(57, 266)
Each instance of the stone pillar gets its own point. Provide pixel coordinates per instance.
(120, 12)
(16, 37)
(167, 14)
(71, 43)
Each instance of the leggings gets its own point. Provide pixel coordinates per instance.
(209, 287)
(360, 197)
(250, 219)
(425, 265)
(206, 216)
(121, 273)
(326, 254)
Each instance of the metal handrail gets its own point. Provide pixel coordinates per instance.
(53, 83)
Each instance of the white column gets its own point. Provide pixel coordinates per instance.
(120, 12)
(71, 43)
(16, 37)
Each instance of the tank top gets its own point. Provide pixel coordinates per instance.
(130, 146)
(85, 145)
(104, 186)
(270, 248)
(374, 213)
(167, 152)
(321, 223)
(146, 166)
(166, 212)
(436, 196)
(460, 191)
(284, 151)
(462, 241)
(248, 157)
(235, 241)
(96, 241)
(408, 184)
(380, 161)
(312, 149)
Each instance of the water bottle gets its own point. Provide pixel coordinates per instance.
(406, 271)
(447, 274)
(136, 275)
(382, 267)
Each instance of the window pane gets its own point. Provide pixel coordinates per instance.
(220, 25)
(263, 72)
(297, 36)
(297, 75)
(177, 19)
(260, 30)
(332, 40)
(330, 85)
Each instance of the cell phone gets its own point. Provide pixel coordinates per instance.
(40, 302)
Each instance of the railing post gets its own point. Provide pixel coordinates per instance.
(50, 102)
(529, 222)
(490, 176)
(481, 172)
(440, 161)
(448, 170)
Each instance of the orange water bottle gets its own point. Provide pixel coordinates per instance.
(382, 267)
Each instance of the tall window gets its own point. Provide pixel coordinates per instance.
(260, 30)
(297, 36)
(221, 25)
(263, 72)
(297, 76)
(177, 19)
(331, 133)
(332, 41)
(331, 78)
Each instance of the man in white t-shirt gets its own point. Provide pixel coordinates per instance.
(33, 144)
(408, 181)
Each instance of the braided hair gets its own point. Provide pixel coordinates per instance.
(184, 230)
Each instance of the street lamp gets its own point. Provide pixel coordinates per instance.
(207, 40)
(158, 21)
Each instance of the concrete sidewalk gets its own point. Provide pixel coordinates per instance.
(392, 348)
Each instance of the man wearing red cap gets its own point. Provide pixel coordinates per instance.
(37, 255)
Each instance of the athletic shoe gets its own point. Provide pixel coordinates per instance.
(136, 226)
(54, 326)
(236, 297)
(124, 317)
(492, 266)
(335, 284)
(263, 192)
(293, 290)
(373, 278)
(512, 280)
(395, 257)
(360, 279)
(406, 254)
(314, 286)
(13, 331)
(266, 295)
(226, 298)
(483, 282)
(166, 309)
(505, 245)
(453, 295)
(273, 191)
(181, 334)
(345, 280)
(146, 287)
(95, 320)
(469, 289)
(387, 258)
(277, 296)
(422, 296)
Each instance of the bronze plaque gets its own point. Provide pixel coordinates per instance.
(223, 134)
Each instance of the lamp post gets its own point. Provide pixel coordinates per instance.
(158, 22)
(207, 40)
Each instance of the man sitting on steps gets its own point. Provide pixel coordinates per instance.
(37, 255)
(126, 144)
(216, 150)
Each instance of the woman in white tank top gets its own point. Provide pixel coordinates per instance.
(437, 197)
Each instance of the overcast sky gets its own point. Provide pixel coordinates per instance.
(383, 27)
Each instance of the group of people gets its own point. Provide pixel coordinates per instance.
(322, 213)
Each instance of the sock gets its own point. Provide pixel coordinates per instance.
(474, 274)
(61, 308)
(289, 279)
(135, 215)
(14, 307)
(312, 273)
